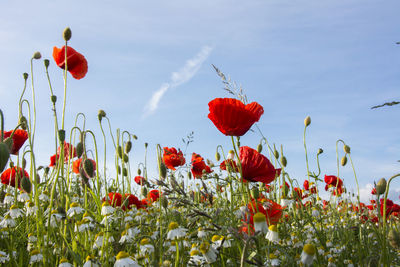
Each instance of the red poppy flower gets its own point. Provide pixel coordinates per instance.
(198, 166)
(231, 164)
(77, 164)
(297, 193)
(115, 199)
(139, 180)
(9, 175)
(153, 195)
(333, 181)
(273, 211)
(232, 117)
(173, 158)
(130, 201)
(76, 62)
(19, 138)
(68, 150)
(256, 167)
(306, 185)
(373, 192)
(390, 207)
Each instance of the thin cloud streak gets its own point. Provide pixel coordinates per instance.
(185, 74)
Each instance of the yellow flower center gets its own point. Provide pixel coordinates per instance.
(122, 255)
(259, 217)
(74, 205)
(173, 225)
(145, 241)
(105, 204)
(204, 247)
(273, 228)
(63, 260)
(34, 252)
(272, 256)
(194, 252)
(309, 249)
(215, 238)
(88, 258)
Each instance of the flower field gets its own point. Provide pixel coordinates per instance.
(240, 209)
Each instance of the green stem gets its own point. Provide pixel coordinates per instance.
(65, 84)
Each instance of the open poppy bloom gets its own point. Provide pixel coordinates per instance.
(115, 199)
(19, 138)
(173, 158)
(272, 211)
(139, 180)
(9, 175)
(333, 181)
(198, 166)
(69, 150)
(153, 195)
(76, 62)
(232, 117)
(256, 167)
(77, 164)
(130, 201)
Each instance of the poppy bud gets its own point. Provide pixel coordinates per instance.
(343, 161)
(128, 147)
(46, 63)
(119, 152)
(23, 122)
(23, 163)
(217, 156)
(259, 148)
(320, 151)
(119, 170)
(134, 137)
(53, 99)
(61, 136)
(88, 167)
(4, 155)
(79, 149)
(25, 75)
(26, 184)
(163, 170)
(276, 154)
(37, 55)
(124, 172)
(394, 239)
(307, 121)
(381, 186)
(255, 193)
(126, 158)
(37, 178)
(189, 174)
(101, 114)
(67, 34)
(139, 172)
(284, 161)
(346, 149)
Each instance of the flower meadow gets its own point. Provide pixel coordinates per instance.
(240, 209)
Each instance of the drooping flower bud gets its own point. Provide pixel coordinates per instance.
(23, 163)
(88, 167)
(124, 172)
(79, 149)
(101, 114)
(217, 156)
(37, 55)
(320, 151)
(307, 121)
(259, 148)
(126, 158)
(23, 122)
(26, 184)
(4, 155)
(139, 172)
(128, 147)
(163, 170)
(25, 75)
(276, 153)
(343, 161)
(346, 149)
(67, 34)
(381, 186)
(284, 161)
(119, 152)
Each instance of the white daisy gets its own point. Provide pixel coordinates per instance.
(308, 254)
(35, 256)
(106, 209)
(23, 196)
(272, 234)
(74, 209)
(175, 232)
(124, 260)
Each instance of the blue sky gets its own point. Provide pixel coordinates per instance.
(150, 70)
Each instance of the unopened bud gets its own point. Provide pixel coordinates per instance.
(144, 191)
(126, 158)
(46, 63)
(284, 161)
(134, 137)
(37, 55)
(53, 99)
(381, 186)
(346, 149)
(88, 167)
(4, 155)
(217, 156)
(189, 175)
(101, 114)
(61, 136)
(307, 121)
(320, 151)
(26, 184)
(25, 75)
(128, 147)
(124, 172)
(259, 148)
(67, 34)
(146, 145)
(343, 161)
(163, 170)
(23, 163)
(79, 149)
(119, 152)
(23, 122)
(276, 154)
(139, 172)
(119, 170)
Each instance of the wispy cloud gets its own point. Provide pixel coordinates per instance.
(178, 78)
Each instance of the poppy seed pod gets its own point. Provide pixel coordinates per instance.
(67, 34)
(343, 161)
(259, 148)
(79, 149)
(4, 155)
(217, 156)
(26, 184)
(25, 75)
(46, 63)
(307, 121)
(346, 149)
(37, 55)
(128, 147)
(381, 186)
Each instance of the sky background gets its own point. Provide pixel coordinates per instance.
(150, 70)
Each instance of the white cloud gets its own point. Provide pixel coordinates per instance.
(182, 76)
